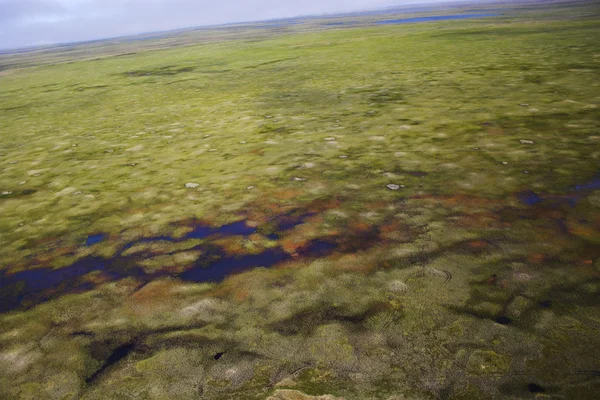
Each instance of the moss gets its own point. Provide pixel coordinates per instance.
(518, 307)
(482, 362)
(330, 346)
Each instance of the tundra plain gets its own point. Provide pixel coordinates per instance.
(329, 207)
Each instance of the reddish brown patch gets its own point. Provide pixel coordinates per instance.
(395, 231)
(61, 251)
(174, 269)
(495, 131)
(321, 205)
(240, 294)
(231, 245)
(492, 280)
(286, 194)
(354, 263)
(358, 267)
(255, 237)
(391, 227)
(478, 244)
(96, 278)
(133, 211)
(156, 291)
(584, 231)
(359, 226)
(537, 258)
(376, 205)
(588, 262)
(292, 245)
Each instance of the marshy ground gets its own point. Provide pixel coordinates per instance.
(326, 207)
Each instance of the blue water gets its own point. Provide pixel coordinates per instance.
(200, 232)
(239, 228)
(226, 266)
(32, 282)
(433, 18)
(289, 221)
(531, 198)
(28, 282)
(218, 270)
(95, 239)
(592, 185)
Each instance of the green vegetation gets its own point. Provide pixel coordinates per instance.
(451, 286)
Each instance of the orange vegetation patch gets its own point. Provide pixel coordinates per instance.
(232, 245)
(154, 292)
(536, 258)
(96, 278)
(478, 244)
(376, 205)
(390, 227)
(61, 251)
(51, 255)
(133, 211)
(174, 269)
(359, 226)
(395, 231)
(286, 194)
(240, 294)
(292, 245)
(584, 231)
(495, 131)
(354, 263)
(239, 287)
(476, 220)
(266, 208)
(324, 204)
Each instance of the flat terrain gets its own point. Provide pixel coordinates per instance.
(333, 206)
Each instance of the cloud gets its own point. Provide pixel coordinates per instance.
(15, 11)
(31, 22)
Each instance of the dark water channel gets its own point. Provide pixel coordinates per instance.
(40, 284)
(575, 194)
(434, 18)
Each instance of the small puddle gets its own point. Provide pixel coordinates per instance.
(592, 185)
(239, 228)
(531, 198)
(95, 239)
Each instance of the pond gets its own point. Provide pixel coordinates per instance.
(433, 18)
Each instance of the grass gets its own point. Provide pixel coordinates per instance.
(318, 121)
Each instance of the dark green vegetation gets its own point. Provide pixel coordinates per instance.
(478, 278)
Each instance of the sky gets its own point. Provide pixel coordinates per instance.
(39, 22)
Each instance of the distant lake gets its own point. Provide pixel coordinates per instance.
(434, 18)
